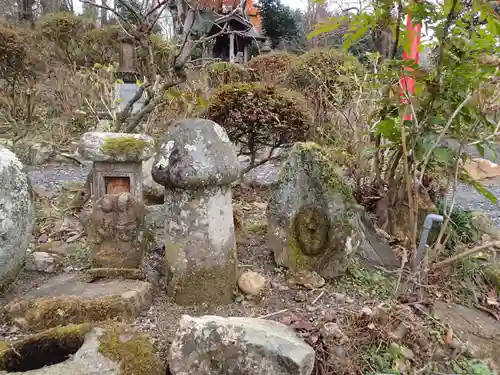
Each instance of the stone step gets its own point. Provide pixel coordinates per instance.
(67, 299)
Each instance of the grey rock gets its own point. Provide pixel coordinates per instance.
(151, 189)
(93, 146)
(312, 216)
(17, 218)
(196, 164)
(195, 153)
(42, 262)
(34, 153)
(210, 345)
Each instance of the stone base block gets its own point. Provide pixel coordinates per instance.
(68, 299)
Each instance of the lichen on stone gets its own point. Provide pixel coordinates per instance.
(133, 351)
(130, 147)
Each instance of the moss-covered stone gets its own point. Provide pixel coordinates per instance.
(134, 352)
(45, 348)
(130, 147)
(312, 213)
(67, 300)
(116, 273)
(212, 286)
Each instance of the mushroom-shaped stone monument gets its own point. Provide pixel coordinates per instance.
(197, 164)
(117, 161)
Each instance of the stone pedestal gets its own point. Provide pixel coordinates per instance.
(117, 232)
(196, 164)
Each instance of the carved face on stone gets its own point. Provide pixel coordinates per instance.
(117, 217)
(311, 228)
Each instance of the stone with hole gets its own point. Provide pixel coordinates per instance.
(69, 299)
(111, 349)
(209, 345)
(17, 216)
(197, 164)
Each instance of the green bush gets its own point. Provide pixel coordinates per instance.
(256, 115)
(14, 53)
(65, 31)
(273, 67)
(223, 73)
(101, 46)
(325, 77)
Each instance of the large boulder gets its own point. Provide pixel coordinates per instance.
(213, 345)
(16, 216)
(313, 223)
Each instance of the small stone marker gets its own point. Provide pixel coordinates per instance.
(312, 217)
(196, 164)
(117, 159)
(117, 230)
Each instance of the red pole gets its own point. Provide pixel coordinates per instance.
(407, 82)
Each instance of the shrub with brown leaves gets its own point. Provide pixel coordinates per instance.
(326, 77)
(258, 116)
(272, 68)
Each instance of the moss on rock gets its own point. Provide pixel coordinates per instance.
(116, 273)
(130, 147)
(133, 351)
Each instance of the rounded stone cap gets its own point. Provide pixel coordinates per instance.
(116, 147)
(194, 153)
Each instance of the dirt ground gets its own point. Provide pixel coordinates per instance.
(360, 309)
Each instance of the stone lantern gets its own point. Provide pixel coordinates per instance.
(117, 162)
(117, 223)
(197, 164)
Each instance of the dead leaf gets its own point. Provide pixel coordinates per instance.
(289, 319)
(449, 336)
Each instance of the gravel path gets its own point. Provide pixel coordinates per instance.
(469, 199)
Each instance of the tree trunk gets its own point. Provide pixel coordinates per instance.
(104, 14)
(26, 11)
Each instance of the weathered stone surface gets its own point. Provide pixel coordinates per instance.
(196, 164)
(195, 153)
(152, 190)
(210, 345)
(484, 225)
(117, 232)
(116, 147)
(16, 216)
(69, 299)
(42, 261)
(312, 220)
(82, 350)
(479, 331)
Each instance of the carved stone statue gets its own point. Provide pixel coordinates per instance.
(117, 231)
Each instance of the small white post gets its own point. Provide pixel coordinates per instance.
(231, 47)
